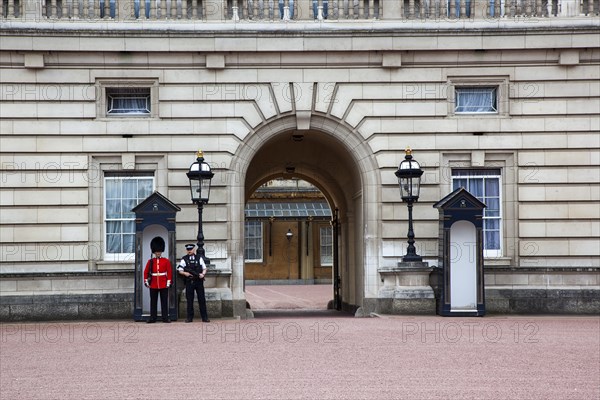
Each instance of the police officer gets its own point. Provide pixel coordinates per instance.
(193, 268)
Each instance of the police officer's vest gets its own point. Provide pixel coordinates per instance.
(193, 262)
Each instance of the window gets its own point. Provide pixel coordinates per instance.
(128, 101)
(253, 241)
(127, 98)
(326, 246)
(476, 100)
(121, 194)
(485, 184)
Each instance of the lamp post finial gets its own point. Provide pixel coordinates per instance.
(199, 154)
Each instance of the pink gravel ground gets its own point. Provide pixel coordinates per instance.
(289, 297)
(303, 354)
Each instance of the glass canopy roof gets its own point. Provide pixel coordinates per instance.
(319, 209)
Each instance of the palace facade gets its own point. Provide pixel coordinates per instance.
(104, 102)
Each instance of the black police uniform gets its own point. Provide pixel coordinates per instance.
(193, 284)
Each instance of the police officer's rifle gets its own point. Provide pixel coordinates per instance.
(189, 270)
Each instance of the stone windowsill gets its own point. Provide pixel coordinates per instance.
(501, 262)
(115, 266)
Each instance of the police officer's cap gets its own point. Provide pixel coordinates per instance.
(157, 244)
(189, 246)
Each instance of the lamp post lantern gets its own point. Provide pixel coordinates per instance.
(409, 179)
(200, 176)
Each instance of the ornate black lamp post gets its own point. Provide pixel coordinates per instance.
(409, 178)
(289, 234)
(200, 176)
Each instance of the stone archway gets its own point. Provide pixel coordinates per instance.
(341, 165)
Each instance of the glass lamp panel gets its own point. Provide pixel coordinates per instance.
(195, 189)
(405, 187)
(409, 186)
(204, 189)
(416, 186)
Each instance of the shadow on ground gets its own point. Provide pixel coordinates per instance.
(295, 313)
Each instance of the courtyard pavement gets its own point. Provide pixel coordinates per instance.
(289, 297)
(304, 352)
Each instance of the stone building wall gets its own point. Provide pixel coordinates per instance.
(216, 88)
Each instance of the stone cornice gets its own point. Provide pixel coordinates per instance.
(300, 36)
(492, 26)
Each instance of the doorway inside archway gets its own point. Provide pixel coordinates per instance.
(288, 247)
(342, 167)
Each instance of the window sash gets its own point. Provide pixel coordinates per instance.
(253, 241)
(471, 100)
(128, 101)
(121, 194)
(326, 246)
(487, 187)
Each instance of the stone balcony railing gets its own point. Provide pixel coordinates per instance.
(289, 10)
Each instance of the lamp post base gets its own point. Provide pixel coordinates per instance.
(411, 259)
(406, 289)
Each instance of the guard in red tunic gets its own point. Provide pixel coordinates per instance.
(158, 277)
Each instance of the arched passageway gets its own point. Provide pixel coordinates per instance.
(341, 166)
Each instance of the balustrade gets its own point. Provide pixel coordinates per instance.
(120, 10)
(275, 10)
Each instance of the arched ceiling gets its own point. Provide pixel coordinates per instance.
(313, 156)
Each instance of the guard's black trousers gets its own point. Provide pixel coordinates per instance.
(191, 287)
(164, 303)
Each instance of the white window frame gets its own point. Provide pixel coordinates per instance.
(500, 83)
(327, 246)
(120, 176)
(258, 238)
(117, 94)
(492, 108)
(104, 87)
(487, 253)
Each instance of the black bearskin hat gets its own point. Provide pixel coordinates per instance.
(157, 244)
